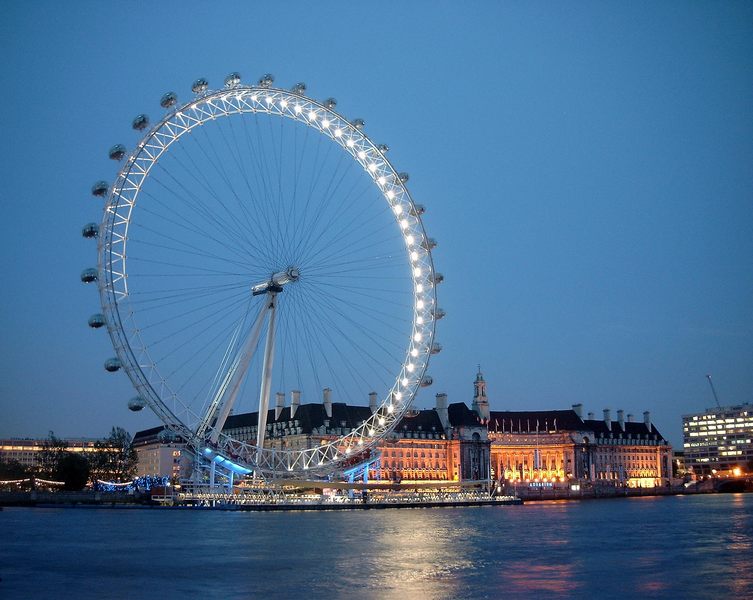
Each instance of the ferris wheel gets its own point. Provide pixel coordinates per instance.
(256, 241)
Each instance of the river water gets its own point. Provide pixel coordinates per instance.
(663, 547)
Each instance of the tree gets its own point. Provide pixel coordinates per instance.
(53, 450)
(12, 469)
(115, 458)
(73, 470)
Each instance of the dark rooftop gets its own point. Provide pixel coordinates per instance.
(527, 420)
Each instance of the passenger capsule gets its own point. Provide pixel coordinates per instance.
(429, 244)
(383, 148)
(417, 210)
(89, 275)
(90, 230)
(358, 124)
(140, 122)
(96, 321)
(200, 85)
(330, 103)
(299, 88)
(437, 278)
(427, 380)
(168, 100)
(266, 80)
(117, 152)
(403, 177)
(100, 189)
(232, 80)
(438, 313)
(136, 404)
(436, 348)
(112, 365)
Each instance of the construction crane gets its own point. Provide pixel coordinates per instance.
(713, 391)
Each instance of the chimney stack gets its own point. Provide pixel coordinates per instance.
(608, 418)
(630, 418)
(295, 402)
(621, 419)
(578, 408)
(442, 411)
(328, 402)
(279, 405)
(647, 420)
(590, 416)
(372, 402)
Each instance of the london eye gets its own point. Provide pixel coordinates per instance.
(256, 242)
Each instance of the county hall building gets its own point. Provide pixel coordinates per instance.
(453, 443)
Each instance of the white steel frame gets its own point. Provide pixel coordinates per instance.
(133, 353)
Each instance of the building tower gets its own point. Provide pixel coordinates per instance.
(480, 401)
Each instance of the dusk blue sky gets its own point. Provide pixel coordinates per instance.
(587, 169)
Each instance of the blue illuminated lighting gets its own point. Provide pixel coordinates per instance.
(140, 484)
(361, 467)
(226, 463)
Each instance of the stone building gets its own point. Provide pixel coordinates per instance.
(161, 454)
(559, 446)
(446, 443)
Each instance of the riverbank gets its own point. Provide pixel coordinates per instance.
(90, 499)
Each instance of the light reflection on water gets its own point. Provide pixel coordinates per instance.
(678, 547)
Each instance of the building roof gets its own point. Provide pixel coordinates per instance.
(154, 434)
(462, 416)
(309, 417)
(631, 428)
(518, 421)
(420, 420)
(313, 416)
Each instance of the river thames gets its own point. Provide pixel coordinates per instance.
(651, 547)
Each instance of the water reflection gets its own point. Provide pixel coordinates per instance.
(421, 550)
(697, 547)
(535, 577)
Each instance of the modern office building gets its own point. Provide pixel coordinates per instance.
(719, 439)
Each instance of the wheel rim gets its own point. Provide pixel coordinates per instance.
(146, 226)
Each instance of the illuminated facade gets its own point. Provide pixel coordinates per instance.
(454, 443)
(719, 439)
(161, 454)
(447, 443)
(26, 451)
(558, 447)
